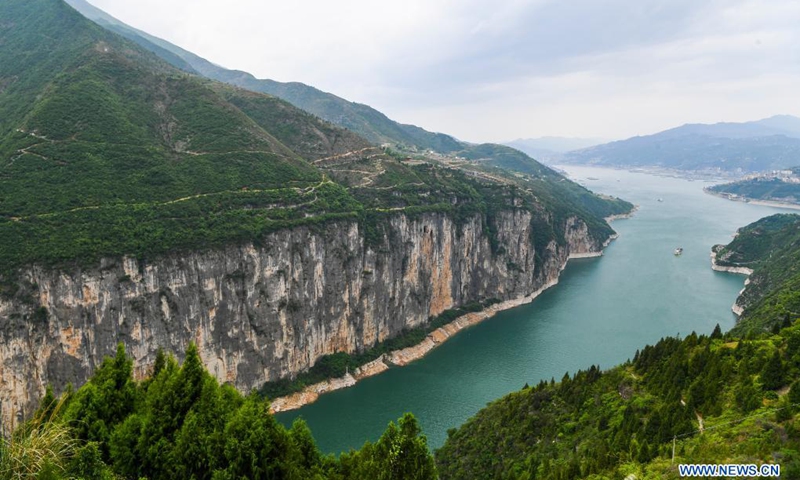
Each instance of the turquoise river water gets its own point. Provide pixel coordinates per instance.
(601, 312)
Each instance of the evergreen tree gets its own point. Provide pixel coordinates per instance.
(717, 333)
(87, 463)
(303, 441)
(160, 363)
(105, 401)
(748, 398)
(401, 453)
(256, 447)
(772, 375)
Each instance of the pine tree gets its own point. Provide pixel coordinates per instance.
(303, 441)
(772, 376)
(256, 446)
(717, 333)
(105, 401)
(748, 398)
(161, 361)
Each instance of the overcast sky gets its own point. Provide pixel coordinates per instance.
(504, 69)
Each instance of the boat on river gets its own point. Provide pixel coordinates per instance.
(678, 251)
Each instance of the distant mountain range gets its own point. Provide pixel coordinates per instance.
(771, 143)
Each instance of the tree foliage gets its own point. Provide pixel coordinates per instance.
(180, 423)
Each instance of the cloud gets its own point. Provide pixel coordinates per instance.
(508, 68)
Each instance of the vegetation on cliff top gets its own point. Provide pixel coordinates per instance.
(180, 423)
(771, 247)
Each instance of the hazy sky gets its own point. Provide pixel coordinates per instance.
(503, 69)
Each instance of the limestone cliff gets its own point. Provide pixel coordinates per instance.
(266, 311)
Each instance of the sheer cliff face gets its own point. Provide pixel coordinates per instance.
(260, 312)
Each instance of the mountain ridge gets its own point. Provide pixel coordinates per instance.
(361, 119)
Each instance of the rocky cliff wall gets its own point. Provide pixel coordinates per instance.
(266, 311)
(739, 304)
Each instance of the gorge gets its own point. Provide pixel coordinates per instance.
(600, 313)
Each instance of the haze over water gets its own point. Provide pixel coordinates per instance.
(601, 312)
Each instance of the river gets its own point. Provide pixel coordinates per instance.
(601, 312)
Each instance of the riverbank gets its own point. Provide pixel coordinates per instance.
(752, 201)
(402, 357)
(399, 358)
(736, 308)
(689, 175)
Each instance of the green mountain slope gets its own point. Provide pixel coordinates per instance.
(359, 118)
(722, 400)
(771, 247)
(105, 149)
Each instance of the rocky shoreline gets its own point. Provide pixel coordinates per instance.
(736, 308)
(403, 357)
(621, 216)
(723, 268)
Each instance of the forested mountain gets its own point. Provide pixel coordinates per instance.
(137, 157)
(771, 143)
(771, 248)
(105, 149)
